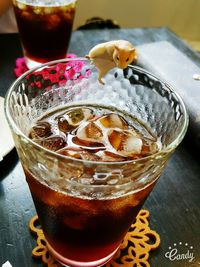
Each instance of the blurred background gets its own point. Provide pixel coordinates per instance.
(181, 16)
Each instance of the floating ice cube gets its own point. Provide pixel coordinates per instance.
(90, 156)
(53, 143)
(110, 156)
(27, 15)
(53, 22)
(38, 10)
(48, 10)
(64, 125)
(71, 152)
(73, 118)
(79, 153)
(125, 142)
(113, 121)
(89, 131)
(67, 15)
(21, 5)
(78, 115)
(149, 147)
(89, 145)
(41, 129)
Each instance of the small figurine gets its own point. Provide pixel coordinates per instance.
(106, 56)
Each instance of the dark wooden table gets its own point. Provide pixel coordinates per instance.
(174, 204)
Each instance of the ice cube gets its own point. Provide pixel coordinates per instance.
(76, 116)
(27, 15)
(41, 129)
(53, 143)
(113, 121)
(48, 10)
(64, 8)
(90, 156)
(68, 16)
(52, 22)
(110, 156)
(89, 131)
(87, 144)
(71, 119)
(78, 153)
(149, 148)
(71, 152)
(38, 10)
(20, 5)
(125, 142)
(64, 125)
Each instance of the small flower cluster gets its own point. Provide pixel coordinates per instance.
(57, 74)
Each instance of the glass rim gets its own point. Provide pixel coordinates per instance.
(170, 147)
(64, 3)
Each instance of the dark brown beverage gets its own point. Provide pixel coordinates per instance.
(45, 30)
(91, 153)
(88, 229)
(84, 230)
(95, 134)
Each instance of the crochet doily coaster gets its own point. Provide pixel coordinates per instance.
(20, 65)
(133, 252)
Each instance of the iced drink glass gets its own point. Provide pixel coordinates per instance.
(86, 207)
(45, 28)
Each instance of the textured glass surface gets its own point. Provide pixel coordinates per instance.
(132, 90)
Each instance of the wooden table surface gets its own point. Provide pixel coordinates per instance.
(174, 204)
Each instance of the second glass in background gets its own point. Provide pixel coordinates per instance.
(45, 28)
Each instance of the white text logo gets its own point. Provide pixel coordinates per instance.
(180, 252)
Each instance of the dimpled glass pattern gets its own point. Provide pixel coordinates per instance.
(132, 90)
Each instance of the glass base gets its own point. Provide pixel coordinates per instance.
(31, 63)
(71, 263)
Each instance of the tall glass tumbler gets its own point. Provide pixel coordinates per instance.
(45, 28)
(86, 207)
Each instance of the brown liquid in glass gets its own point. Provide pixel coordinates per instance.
(45, 31)
(81, 228)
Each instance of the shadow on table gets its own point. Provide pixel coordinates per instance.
(8, 163)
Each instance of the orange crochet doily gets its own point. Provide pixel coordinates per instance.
(133, 252)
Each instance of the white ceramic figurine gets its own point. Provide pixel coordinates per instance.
(106, 56)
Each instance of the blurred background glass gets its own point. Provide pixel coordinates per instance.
(45, 28)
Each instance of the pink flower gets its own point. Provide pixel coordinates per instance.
(58, 74)
(20, 67)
